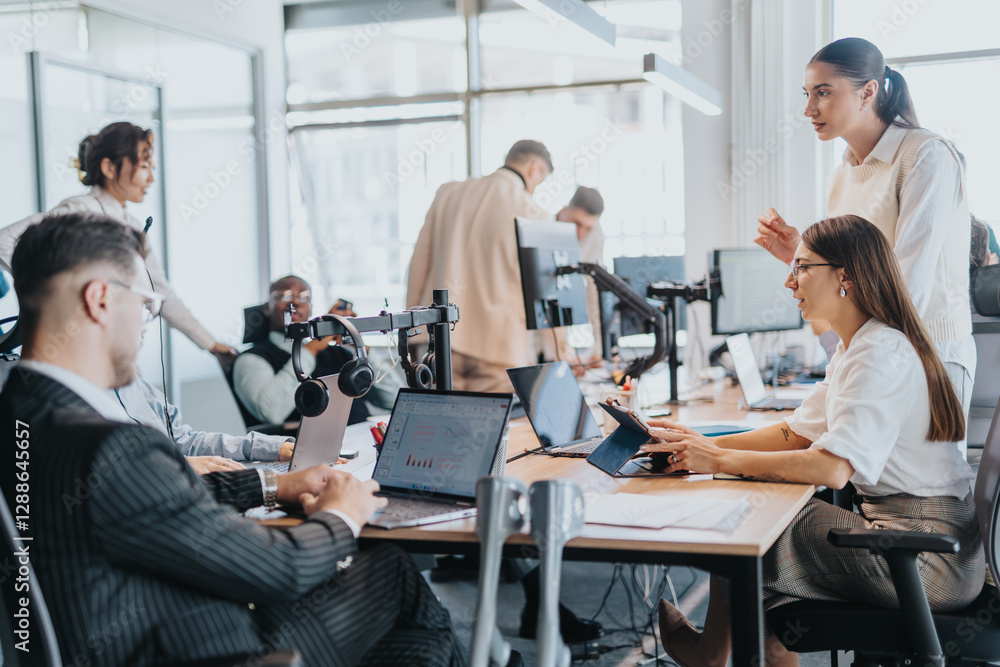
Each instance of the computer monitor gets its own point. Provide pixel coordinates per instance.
(639, 272)
(754, 296)
(550, 300)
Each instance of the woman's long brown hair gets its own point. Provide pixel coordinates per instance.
(851, 242)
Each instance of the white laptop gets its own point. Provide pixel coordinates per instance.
(751, 382)
(437, 445)
(319, 439)
(555, 407)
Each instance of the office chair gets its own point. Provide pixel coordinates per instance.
(912, 635)
(10, 340)
(255, 328)
(44, 646)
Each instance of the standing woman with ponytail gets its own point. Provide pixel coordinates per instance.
(886, 418)
(117, 164)
(906, 180)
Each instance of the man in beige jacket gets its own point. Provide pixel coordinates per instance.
(468, 246)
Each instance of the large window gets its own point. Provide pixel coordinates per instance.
(382, 115)
(949, 73)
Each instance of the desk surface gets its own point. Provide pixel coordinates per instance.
(772, 505)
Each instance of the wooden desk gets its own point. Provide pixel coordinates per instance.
(736, 555)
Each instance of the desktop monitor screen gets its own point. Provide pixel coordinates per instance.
(639, 272)
(754, 296)
(550, 300)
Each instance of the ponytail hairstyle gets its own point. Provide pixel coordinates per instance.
(879, 291)
(860, 61)
(115, 142)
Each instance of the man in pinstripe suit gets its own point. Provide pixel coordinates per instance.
(140, 561)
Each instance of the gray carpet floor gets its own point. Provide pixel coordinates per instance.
(633, 593)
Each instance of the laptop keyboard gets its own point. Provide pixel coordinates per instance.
(583, 447)
(277, 466)
(416, 509)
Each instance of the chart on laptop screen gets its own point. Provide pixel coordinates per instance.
(441, 443)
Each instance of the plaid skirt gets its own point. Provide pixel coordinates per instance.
(803, 565)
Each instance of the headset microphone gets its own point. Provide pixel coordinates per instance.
(149, 223)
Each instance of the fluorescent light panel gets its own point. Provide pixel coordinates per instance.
(576, 12)
(682, 84)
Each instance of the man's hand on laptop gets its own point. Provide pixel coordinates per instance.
(344, 493)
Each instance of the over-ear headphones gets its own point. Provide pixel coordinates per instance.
(419, 375)
(355, 379)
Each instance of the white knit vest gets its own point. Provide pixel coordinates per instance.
(871, 190)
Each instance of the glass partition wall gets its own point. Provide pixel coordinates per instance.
(90, 68)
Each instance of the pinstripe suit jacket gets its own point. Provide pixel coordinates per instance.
(140, 561)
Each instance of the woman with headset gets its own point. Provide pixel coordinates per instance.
(907, 181)
(117, 164)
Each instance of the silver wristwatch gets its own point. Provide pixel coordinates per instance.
(270, 488)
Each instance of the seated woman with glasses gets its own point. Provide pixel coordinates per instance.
(263, 377)
(886, 419)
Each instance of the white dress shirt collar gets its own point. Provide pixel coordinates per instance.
(104, 404)
(885, 149)
(278, 338)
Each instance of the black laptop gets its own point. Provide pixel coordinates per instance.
(555, 407)
(437, 445)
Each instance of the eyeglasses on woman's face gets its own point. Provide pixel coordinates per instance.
(798, 266)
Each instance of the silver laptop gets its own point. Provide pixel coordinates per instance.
(555, 407)
(319, 439)
(751, 382)
(437, 445)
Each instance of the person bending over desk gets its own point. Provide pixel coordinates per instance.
(907, 181)
(263, 376)
(120, 522)
(886, 418)
(117, 164)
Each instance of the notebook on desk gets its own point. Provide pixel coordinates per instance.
(555, 407)
(318, 439)
(751, 382)
(437, 445)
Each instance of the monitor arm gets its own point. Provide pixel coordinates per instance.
(609, 282)
(438, 318)
(708, 289)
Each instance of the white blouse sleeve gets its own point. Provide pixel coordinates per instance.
(928, 199)
(874, 397)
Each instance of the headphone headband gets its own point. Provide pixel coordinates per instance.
(352, 331)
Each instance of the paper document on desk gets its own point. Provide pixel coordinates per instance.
(656, 512)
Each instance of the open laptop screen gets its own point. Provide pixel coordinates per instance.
(554, 404)
(745, 364)
(441, 442)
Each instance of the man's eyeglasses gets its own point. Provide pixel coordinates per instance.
(797, 266)
(151, 301)
(305, 296)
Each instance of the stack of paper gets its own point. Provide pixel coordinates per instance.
(674, 511)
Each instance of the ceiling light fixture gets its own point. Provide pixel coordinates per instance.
(682, 84)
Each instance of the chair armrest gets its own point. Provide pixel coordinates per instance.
(884, 541)
(900, 549)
